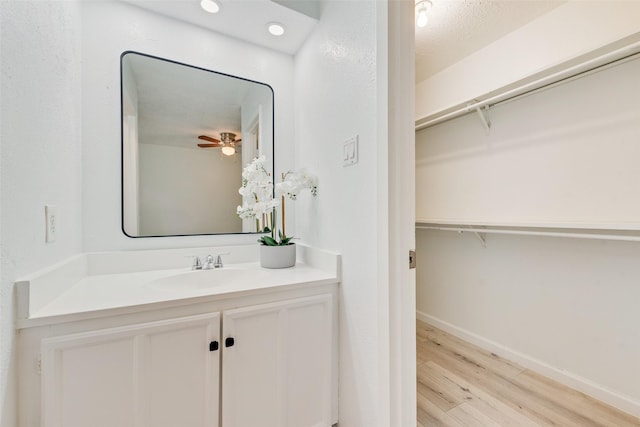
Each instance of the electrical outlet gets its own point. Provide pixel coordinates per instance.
(51, 217)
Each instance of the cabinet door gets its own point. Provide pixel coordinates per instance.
(154, 375)
(277, 372)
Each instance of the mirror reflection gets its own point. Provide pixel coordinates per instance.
(187, 132)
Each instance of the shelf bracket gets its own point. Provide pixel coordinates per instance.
(485, 122)
(482, 237)
(479, 235)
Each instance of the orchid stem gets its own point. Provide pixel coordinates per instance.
(284, 234)
(273, 224)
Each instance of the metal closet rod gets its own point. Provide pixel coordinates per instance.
(576, 71)
(596, 236)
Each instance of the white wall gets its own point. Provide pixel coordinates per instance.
(565, 307)
(109, 28)
(572, 29)
(336, 98)
(566, 156)
(40, 153)
(188, 190)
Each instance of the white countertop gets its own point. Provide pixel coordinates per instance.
(63, 292)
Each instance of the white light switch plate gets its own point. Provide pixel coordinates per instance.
(51, 216)
(350, 151)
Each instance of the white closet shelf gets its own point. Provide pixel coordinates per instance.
(631, 234)
(577, 67)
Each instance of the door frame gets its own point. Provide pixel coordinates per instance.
(396, 154)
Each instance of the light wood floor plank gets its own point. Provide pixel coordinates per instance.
(473, 354)
(503, 414)
(469, 416)
(439, 389)
(493, 384)
(535, 404)
(459, 382)
(597, 411)
(430, 415)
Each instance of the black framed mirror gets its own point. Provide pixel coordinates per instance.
(186, 134)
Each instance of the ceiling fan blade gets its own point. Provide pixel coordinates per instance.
(208, 138)
(238, 141)
(209, 145)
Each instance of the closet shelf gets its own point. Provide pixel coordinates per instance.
(480, 231)
(577, 67)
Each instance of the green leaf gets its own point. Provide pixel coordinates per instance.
(266, 240)
(285, 241)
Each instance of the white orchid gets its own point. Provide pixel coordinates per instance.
(294, 182)
(257, 191)
(257, 209)
(256, 181)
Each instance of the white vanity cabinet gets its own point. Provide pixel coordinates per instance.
(158, 374)
(266, 360)
(277, 364)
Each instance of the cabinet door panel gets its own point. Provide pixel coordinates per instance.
(278, 373)
(91, 385)
(308, 354)
(155, 374)
(251, 388)
(181, 377)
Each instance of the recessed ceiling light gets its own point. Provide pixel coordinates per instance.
(210, 6)
(276, 28)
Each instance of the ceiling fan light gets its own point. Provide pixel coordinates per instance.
(210, 6)
(228, 150)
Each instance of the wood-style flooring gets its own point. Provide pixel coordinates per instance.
(460, 384)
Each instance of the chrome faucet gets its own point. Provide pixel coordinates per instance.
(214, 262)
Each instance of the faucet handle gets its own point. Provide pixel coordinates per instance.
(218, 263)
(197, 264)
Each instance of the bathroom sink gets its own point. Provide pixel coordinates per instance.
(204, 279)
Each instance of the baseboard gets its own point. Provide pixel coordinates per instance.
(624, 403)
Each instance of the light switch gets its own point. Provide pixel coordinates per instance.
(350, 151)
(50, 214)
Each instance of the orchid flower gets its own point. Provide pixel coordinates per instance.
(258, 197)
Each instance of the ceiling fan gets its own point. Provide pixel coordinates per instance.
(227, 141)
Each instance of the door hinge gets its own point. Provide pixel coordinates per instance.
(412, 259)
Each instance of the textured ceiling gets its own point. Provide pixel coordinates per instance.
(458, 28)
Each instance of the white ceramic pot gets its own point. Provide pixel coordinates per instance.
(278, 256)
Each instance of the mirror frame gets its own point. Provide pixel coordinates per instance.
(122, 148)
